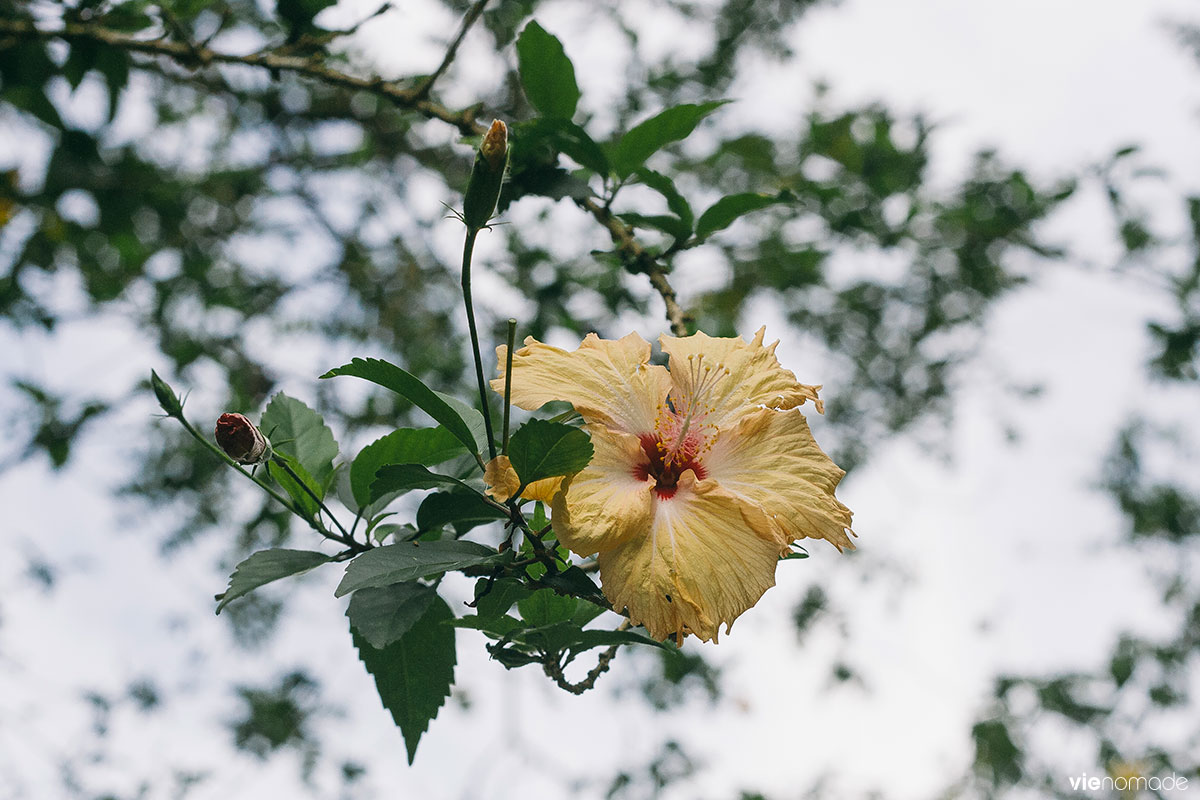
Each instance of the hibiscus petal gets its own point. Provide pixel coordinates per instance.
(706, 558)
(608, 381)
(770, 458)
(502, 483)
(755, 376)
(607, 503)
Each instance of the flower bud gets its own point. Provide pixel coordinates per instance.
(170, 402)
(483, 190)
(495, 145)
(241, 441)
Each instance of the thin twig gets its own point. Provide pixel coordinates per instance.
(422, 90)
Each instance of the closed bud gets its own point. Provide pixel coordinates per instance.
(483, 190)
(495, 145)
(167, 398)
(241, 440)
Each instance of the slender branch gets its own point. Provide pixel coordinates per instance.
(186, 55)
(422, 90)
(554, 670)
(468, 249)
(634, 256)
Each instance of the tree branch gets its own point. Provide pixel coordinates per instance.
(195, 56)
(422, 91)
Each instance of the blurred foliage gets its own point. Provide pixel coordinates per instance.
(237, 215)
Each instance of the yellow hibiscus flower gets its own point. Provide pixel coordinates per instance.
(703, 473)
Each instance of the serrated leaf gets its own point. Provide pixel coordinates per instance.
(383, 614)
(408, 561)
(648, 137)
(414, 674)
(676, 202)
(465, 510)
(398, 478)
(296, 430)
(413, 389)
(266, 566)
(541, 449)
(724, 212)
(585, 612)
(544, 607)
(428, 446)
(546, 73)
(295, 489)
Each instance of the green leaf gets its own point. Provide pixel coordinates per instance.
(721, 214)
(602, 638)
(383, 614)
(501, 594)
(561, 135)
(396, 478)
(436, 405)
(544, 607)
(575, 582)
(541, 449)
(546, 73)
(303, 499)
(408, 561)
(492, 626)
(676, 202)
(428, 446)
(646, 138)
(296, 430)
(465, 510)
(266, 566)
(415, 673)
(672, 226)
(585, 612)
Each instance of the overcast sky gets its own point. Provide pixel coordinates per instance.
(1005, 559)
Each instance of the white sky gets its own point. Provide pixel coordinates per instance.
(1009, 537)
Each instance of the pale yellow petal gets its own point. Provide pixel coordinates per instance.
(502, 483)
(770, 458)
(705, 559)
(501, 479)
(607, 503)
(608, 381)
(755, 377)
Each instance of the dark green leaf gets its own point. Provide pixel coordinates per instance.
(544, 607)
(541, 449)
(396, 478)
(414, 674)
(303, 497)
(428, 446)
(493, 626)
(561, 135)
(721, 214)
(575, 582)
(465, 510)
(500, 596)
(676, 202)
(296, 430)
(410, 387)
(546, 73)
(646, 138)
(408, 561)
(383, 614)
(672, 226)
(266, 566)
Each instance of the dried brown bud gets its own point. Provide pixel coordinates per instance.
(495, 145)
(241, 441)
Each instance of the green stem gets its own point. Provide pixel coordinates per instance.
(512, 340)
(468, 249)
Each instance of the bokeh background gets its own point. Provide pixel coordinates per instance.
(992, 264)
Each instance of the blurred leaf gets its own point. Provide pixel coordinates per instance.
(415, 673)
(724, 212)
(266, 566)
(540, 449)
(675, 201)
(409, 561)
(383, 614)
(648, 137)
(544, 607)
(546, 73)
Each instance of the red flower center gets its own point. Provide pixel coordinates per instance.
(664, 467)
